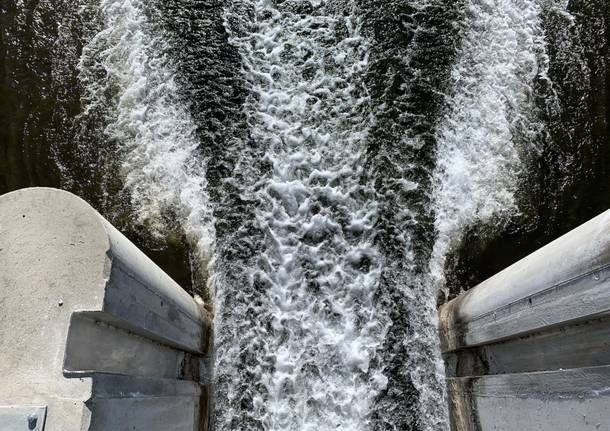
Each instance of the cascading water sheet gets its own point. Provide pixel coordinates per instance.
(157, 146)
(318, 328)
(490, 121)
(323, 158)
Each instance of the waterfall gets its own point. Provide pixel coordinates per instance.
(490, 122)
(157, 146)
(325, 161)
(303, 322)
(317, 328)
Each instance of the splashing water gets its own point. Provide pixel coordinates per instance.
(158, 149)
(305, 333)
(328, 157)
(489, 123)
(319, 324)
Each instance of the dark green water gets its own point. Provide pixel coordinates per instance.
(44, 141)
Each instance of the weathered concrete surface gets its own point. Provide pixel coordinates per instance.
(530, 347)
(524, 296)
(22, 418)
(90, 327)
(562, 400)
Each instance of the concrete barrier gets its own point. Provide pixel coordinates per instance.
(529, 349)
(93, 335)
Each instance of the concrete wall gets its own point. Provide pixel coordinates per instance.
(93, 335)
(529, 349)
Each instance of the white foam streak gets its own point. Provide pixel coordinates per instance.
(162, 168)
(491, 104)
(325, 328)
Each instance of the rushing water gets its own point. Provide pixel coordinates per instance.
(320, 171)
(155, 134)
(491, 116)
(317, 328)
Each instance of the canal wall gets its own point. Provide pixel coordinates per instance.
(93, 335)
(529, 348)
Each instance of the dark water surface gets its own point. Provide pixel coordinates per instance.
(45, 140)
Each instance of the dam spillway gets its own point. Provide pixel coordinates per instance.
(317, 170)
(108, 342)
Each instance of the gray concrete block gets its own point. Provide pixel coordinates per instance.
(80, 304)
(125, 353)
(567, 279)
(22, 418)
(562, 400)
(160, 404)
(529, 348)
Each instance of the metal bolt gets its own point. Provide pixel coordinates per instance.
(32, 421)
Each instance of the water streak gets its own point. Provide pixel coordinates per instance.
(157, 145)
(490, 122)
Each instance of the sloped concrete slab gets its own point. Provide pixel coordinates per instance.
(529, 348)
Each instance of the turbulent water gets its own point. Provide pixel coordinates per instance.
(491, 116)
(154, 131)
(316, 328)
(322, 172)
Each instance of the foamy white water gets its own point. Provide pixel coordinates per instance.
(318, 332)
(162, 168)
(489, 121)
(320, 266)
(326, 296)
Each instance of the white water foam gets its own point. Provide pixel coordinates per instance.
(162, 168)
(489, 121)
(320, 265)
